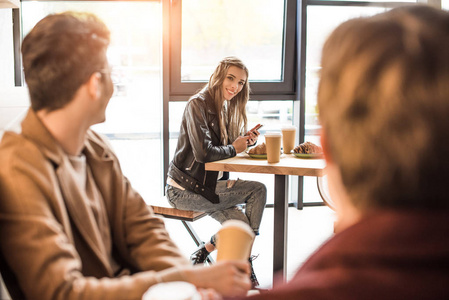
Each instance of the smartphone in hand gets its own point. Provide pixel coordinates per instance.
(257, 127)
(253, 131)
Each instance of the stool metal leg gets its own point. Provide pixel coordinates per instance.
(196, 238)
(192, 232)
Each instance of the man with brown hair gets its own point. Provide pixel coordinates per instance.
(384, 107)
(71, 225)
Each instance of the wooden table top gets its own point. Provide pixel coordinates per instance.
(289, 165)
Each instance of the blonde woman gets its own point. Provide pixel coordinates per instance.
(214, 127)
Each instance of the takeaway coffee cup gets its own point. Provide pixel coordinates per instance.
(273, 142)
(288, 138)
(234, 241)
(175, 290)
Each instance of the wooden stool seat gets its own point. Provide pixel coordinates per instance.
(173, 213)
(162, 207)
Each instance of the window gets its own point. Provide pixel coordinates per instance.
(211, 31)
(445, 4)
(204, 31)
(133, 117)
(317, 32)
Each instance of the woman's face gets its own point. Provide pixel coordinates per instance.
(234, 82)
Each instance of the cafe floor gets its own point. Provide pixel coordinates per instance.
(307, 230)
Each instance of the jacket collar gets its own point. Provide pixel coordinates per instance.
(211, 110)
(34, 130)
(210, 104)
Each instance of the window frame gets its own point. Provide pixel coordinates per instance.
(17, 42)
(285, 89)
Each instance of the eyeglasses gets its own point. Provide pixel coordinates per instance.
(107, 70)
(110, 71)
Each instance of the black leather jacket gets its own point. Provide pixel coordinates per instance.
(199, 142)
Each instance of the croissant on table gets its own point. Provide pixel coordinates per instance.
(259, 149)
(308, 148)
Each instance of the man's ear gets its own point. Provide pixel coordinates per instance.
(94, 86)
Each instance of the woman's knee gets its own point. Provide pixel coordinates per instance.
(229, 214)
(262, 191)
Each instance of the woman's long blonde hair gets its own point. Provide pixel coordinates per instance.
(233, 121)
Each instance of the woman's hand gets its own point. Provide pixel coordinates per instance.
(253, 136)
(228, 278)
(241, 143)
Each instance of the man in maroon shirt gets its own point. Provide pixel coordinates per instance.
(384, 107)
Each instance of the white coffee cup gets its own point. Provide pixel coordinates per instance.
(288, 138)
(175, 290)
(234, 240)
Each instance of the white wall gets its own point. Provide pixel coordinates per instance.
(14, 102)
(6, 49)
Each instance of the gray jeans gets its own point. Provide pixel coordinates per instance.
(251, 193)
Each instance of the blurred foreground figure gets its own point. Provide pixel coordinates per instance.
(384, 107)
(71, 225)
